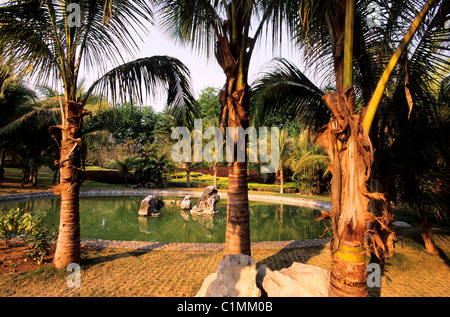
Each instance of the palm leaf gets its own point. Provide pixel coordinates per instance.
(35, 35)
(37, 117)
(146, 77)
(285, 91)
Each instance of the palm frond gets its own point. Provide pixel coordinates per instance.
(285, 91)
(36, 37)
(38, 117)
(150, 76)
(194, 22)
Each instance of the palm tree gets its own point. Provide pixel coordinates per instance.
(125, 166)
(350, 150)
(15, 100)
(223, 27)
(327, 34)
(36, 36)
(308, 161)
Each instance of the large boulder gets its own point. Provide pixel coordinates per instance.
(207, 203)
(299, 280)
(150, 206)
(235, 277)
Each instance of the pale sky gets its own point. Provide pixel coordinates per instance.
(206, 72)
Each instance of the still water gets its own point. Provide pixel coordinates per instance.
(116, 218)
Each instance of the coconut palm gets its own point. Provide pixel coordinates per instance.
(224, 27)
(326, 32)
(38, 37)
(124, 167)
(308, 161)
(15, 100)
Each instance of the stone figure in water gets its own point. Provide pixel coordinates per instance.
(186, 203)
(150, 206)
(208, 201)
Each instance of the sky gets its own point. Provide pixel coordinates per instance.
(206, 72)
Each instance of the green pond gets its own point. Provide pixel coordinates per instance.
(116, 218)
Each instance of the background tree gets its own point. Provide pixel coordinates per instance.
(15, 100)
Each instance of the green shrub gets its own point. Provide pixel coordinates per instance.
(39, 236)
(32, 224)
(11, 223)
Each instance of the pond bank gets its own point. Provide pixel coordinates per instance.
(266, 197)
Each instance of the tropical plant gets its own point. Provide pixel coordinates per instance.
(18, 221)
(11, 223)
(308, 163)
(328, 36)
(39, 235)
(124, 167)
(36, 37)
(153, 165)
(15, 100)
(224, 28)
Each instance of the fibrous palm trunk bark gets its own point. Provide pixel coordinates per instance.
(71, 177)
(350, 151)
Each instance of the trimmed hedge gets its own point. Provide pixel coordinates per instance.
(108, 177)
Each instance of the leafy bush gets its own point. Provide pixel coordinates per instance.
(32, 224)
(39, 236)
(11, 223)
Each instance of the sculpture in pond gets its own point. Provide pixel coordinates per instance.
(150, 206)
(186, 203)
(208, 201)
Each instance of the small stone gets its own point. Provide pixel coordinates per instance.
(186, 203)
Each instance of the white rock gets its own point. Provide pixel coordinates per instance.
(186, 203)
(299, 280)
(235, 277)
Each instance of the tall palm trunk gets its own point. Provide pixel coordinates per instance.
(234, 111)
(238, 226)
(215, 167)
(188, 174)
(68, 245)
(281, 173)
